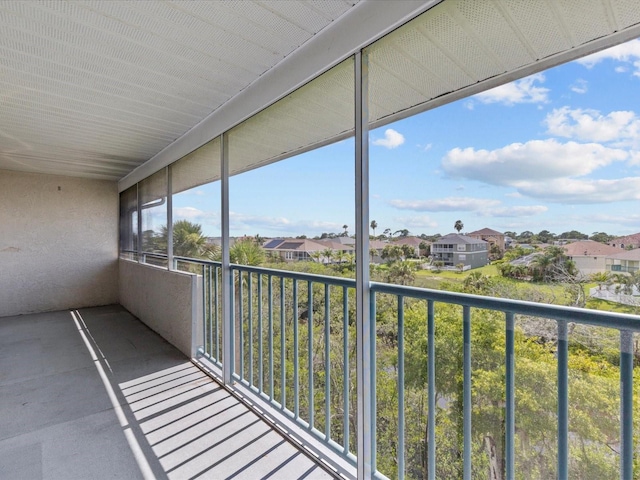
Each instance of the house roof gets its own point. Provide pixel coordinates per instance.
(627, 255)
(628, 239)
(486, 232)
(413, 241)
(333, 245)
(588, 248)
(456, 238)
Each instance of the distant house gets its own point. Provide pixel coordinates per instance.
(454, 249)
(300, 250)
(493, 237)
(411, 241)
(292, 249)
(589, 256)
(628, 242)
(624, 262)
(375, 250)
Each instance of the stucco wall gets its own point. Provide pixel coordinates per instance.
(58, 242)
(167, 302)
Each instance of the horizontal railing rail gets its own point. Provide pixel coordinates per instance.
(293, 347)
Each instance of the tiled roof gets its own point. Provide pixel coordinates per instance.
(627, 255)
(456, 238)
(634, 238)
(487, 231)
(590, 248)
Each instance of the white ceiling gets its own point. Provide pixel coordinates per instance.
(95, 88)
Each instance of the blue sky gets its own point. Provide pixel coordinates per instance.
(559, 150)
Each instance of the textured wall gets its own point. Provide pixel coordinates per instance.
(165, 301)
(58, 242)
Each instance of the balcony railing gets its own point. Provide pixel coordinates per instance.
(293, 347)
(623, 268)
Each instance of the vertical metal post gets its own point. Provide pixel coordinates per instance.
(401, 438)
(217, 315)
(240, 308)
(363, 316)
(170, 265)
(431, 392)
(466, 390)
(510, 432)
(283, 344)
(250, 324)
(563, 401)
(139, 239)
(347, 370)
(374, 404)
(310, 352)
(296, 353)
(270, 295)
(209, 286)
(227, 279)
(327, 363)
(260, 337)
(626, 404)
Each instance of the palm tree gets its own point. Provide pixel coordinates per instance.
(458, 225)
(401, 272)
(188, 240)
(374, 225)
(345, 233)
(601, 278)
(327, 253)
(246, 252)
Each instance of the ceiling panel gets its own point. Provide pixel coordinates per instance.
(95, 88)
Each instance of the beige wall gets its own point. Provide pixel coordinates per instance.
(167, 302)
(58, 242)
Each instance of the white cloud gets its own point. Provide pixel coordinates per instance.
(520, 91)
(518, 211)
(513, 195)
(188, 213)
(580, 86)
(252, 223)
(578, 191)
(619, 220)
(627, 53)
(420, 221)
(392, 139)
(591, 125)
(449, 204)
(534, 161)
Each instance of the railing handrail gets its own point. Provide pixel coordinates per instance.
(600, 318)
(622, 321)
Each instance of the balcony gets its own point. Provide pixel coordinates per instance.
(293, 357)
(91, 391)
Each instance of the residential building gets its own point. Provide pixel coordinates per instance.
(114, 367)
(589, 256)
(411, 241)
(454, 249)
(493, 237)
(627, 242)
(624, 262)
(298, 249)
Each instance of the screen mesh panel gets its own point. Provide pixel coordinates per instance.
(199, 167)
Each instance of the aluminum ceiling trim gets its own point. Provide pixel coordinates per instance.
(360, 26)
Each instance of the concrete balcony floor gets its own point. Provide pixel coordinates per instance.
(94, 393)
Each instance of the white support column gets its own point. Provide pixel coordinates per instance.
(363, 311)
(139, 238)
(170, 264)
(227, 321)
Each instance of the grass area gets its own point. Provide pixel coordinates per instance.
(607, 306)
(488, 270)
